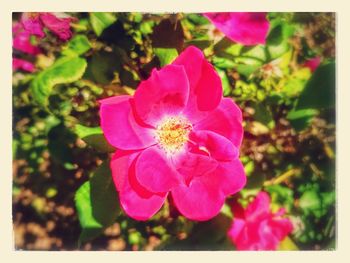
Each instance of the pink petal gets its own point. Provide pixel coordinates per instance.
(192, 164)
(205, 83)
(21, 42)
(313, 63)
(121, 128)
(282, 227)
(225, 120)
(230, 177)
(236, 229)
(22, 64)
(155, 172)
(32, 24)
(164, 93)
(247, 28)
(135, 200)
(58, 26)
(218, 147)
(259, 208)
(198, 201)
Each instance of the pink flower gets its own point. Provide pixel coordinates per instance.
(34, 24)
(247, 28)
(21, 40)
(257, 228)
(22, 64)
(313, 63)
(176, 135)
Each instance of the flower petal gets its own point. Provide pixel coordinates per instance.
(58, 26)
(164, 93)
(230, 177)
(121, 128)
(205, 83)
(218, 147)
(32, 24)
(155, 172)
(247, 28)
(135, 200)
(191, 164)
(22, 64)
(21, 42)
(198, 201)
(259, 208)
(225, 120)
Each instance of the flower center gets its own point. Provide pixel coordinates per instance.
(172, 133)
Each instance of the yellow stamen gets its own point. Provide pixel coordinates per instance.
(172, 133)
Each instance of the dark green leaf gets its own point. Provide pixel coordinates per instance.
(65, 70)
(94, 137)
(301, 119)
(97, 203)
(319, 92)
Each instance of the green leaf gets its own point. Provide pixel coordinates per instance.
(78, 45)
(263, 114)
(165, 55)
(319, 92)
(225, 81)
(94, 137)
(301, 119)
(310, 200)
(65, 70)
(97, 203)
(100, 21)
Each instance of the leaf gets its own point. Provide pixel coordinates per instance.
(78, 45)
(300, 119)
(319, 92)
(263, 114)
(165, 55)
(94, 137)
(100, 21)
(97, 203)
(225, 81)
(65, 70)
(310, 200)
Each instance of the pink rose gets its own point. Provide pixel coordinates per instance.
(256, 227)
(34, 24)
(247, 28)
(312, 63)
(176, 135)
(21, 40)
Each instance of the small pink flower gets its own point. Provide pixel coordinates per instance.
(176, 135)
(34, 23)
(256, 227)
(247, 28)
(22, 64)
(312, 63)
(21, 40)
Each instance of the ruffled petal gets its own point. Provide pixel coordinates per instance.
(225, 120)
(58, 26)
(259, 208)
(218, 147)
(165, 93)
(205, 83)
(198, 201)
(155, 172)
(32, 24)
(135, 200)
(191, 164)
(121, 128)
(21, 42)
(247, 28)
